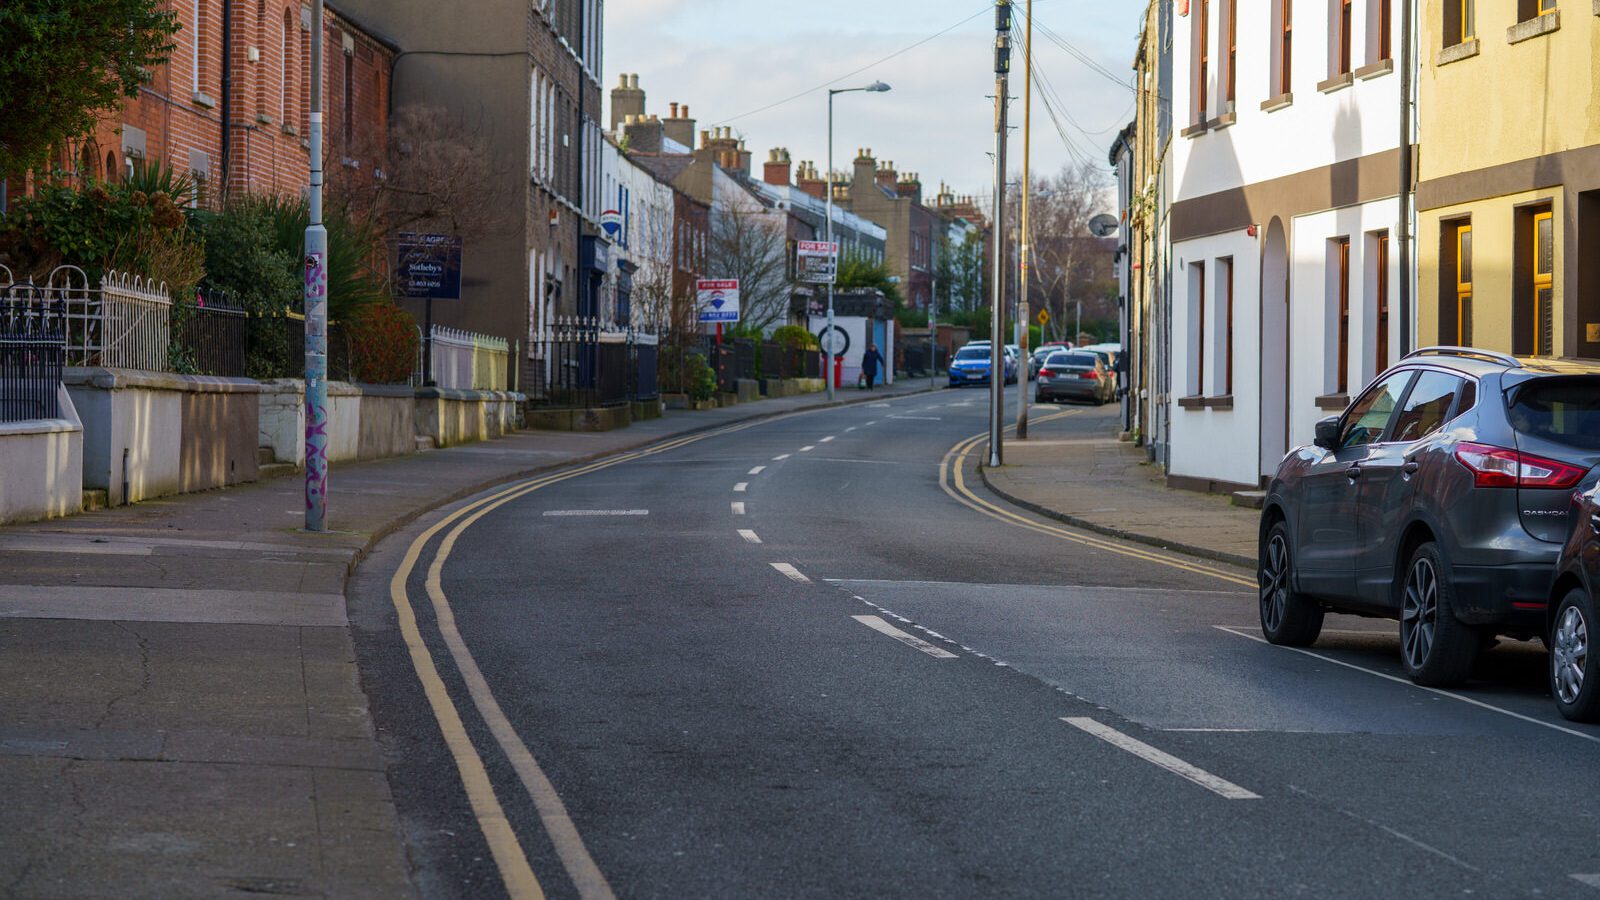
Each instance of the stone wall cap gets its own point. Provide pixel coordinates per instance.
(122, 379)
(38, 426)
(439, 393)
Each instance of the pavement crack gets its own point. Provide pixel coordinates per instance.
(144, 677)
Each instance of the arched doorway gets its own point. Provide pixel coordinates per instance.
(1274, 347)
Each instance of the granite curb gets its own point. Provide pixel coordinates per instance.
(1113, 531)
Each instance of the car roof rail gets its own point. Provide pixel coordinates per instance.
(1504, 359)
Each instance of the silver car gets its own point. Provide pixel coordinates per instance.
(1075, 375)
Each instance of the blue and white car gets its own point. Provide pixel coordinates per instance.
(971, 366)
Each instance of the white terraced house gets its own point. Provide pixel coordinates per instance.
(1285, 221)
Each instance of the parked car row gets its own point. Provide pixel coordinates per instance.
(1458, 495)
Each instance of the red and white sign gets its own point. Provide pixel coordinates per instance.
(718, 299)
(817, 262)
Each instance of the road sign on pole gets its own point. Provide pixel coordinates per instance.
(817, 261)
(1043, 317)
(718, 300)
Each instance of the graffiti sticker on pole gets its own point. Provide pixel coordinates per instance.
(817, 262)
(718, 299)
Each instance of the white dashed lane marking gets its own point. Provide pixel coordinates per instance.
(827, 439)
(780, 458)
(910, 640)
(1219, 786)
(749, 535)
(791, 572)
(596, 512)
(757, 470)
(740, 487)
(808, 448)
(738, 507)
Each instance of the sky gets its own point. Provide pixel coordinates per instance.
(729, 58)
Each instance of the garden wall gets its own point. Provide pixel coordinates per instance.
(147, 434)
(41, 466)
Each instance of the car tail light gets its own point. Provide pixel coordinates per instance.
(1092, 375)
(1046, 373)
(1498, 467)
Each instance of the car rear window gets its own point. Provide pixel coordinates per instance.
(1563, 410)
(973, 353)
(1085, 360)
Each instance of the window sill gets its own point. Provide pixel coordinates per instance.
(1333, 402)
(1191, 402)
(263, 119)
(1223, 121)
(1380, 68)
(1336, 83)
(1223, 402)
(349, 163)
(1464, 50)
(201, 98)
(1535, 27)
(290, 130)
(1276, 103)
(1194, 130)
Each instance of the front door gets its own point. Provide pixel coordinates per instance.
(1329, 534)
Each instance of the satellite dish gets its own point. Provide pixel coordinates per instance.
(1104, 225)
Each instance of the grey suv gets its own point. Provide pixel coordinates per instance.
(1440, 498)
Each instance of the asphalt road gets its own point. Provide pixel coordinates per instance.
(856, 684)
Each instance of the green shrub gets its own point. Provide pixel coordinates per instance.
(795, 337)
(355, 252)
(103, 227)
(699, 379)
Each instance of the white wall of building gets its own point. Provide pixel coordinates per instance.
(1285, 345)
(1216, 443)
(1315, 130)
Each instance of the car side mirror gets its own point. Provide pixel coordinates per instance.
(1327, 433)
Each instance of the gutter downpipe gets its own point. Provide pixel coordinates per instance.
(227, 95)
(1407, 85)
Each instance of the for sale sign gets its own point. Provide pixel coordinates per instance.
(817, 262)
(718, 299)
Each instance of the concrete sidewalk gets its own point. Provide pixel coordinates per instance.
(183, 712)
(1075, 470)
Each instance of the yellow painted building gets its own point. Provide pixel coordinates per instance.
(1508, 194)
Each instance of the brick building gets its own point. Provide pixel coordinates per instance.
(249, 65)
(524, 75)
(882, 195)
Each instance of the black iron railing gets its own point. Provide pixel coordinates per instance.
(33, 350)
(212, 337)
(576, 364)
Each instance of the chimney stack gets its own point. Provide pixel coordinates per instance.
(810, 182)
(910, 186)
(626, 100)
(679, 126)
(777, 169)
(886, 175)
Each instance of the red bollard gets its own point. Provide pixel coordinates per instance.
(838, 372)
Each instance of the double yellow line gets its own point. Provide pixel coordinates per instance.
(509, 855)
(952, 478)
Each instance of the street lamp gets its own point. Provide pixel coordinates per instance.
(877, 87)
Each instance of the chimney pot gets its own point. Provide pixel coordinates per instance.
(674, 106)
(633, 80)
(686, 110)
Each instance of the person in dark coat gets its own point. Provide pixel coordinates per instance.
(870, 361)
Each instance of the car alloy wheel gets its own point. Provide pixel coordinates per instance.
(1569, 654)
(1288, 618)
(1275, 582)
(1419, 614)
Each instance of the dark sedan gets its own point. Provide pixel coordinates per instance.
(1075, 375)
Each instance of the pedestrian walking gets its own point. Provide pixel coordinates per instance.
(870, 361)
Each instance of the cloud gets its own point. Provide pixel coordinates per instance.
(938, 120)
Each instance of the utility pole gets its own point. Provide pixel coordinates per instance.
(933, 335)
(1025, 237)
(316, 305)
(997, 299)
(1405, 241)
(827, 333)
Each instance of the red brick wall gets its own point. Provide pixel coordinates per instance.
(269, 154)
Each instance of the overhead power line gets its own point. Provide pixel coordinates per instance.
(827, 84)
